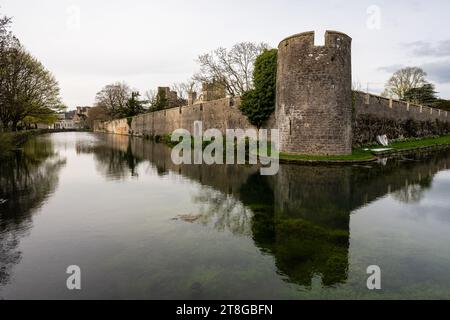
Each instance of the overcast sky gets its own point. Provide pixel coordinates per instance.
(88, 44)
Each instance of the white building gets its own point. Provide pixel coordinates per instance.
(65, 121)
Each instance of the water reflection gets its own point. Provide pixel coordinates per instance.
(27, 179)
(113, 163)
(300, 217)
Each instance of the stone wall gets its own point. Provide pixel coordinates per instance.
(219, 114)
(373, 115)
(314, 94)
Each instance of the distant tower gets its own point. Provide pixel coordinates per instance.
(314, 97)
(192, 97)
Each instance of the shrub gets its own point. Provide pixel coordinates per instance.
(258, 104)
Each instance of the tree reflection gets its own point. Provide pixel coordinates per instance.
(223, 212)
(113, 163)
(27, 179)
(413, 192)
(301, 216)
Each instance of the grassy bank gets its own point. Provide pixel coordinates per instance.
(12, 140)
(361, 154)
(365, 154)
(357, 155)
(420, 143)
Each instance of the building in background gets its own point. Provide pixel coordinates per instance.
(65, 121)
(80, 117)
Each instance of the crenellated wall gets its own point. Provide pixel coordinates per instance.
(316, 111)
(314, 94)
(219, 114)
(373, 115)
(370, 104)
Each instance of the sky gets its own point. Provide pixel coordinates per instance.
(89, 44)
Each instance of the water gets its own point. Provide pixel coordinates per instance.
(140, 227)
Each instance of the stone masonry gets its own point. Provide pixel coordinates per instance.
(314, 108)
(314, 98)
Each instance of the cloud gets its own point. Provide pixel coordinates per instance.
(426, 49)
(391, 68)
(438, 71)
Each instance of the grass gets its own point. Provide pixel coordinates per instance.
(358, 154)
(418, 143)
(12, 140)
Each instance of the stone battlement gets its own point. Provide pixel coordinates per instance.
(368, 103)
(316, 111)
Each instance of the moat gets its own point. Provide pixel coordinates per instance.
(141, 227)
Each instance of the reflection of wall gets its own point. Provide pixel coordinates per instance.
(226, 178)
(301, 216)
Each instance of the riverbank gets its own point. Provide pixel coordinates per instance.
(372, 153)
(12, 140)
(9, 141)
(359, 155)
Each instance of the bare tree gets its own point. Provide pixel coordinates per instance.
(231, 68)
(183, 88)
(114, 98)
(97, 113)
(404, 80)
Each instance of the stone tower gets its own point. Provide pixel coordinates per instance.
(314, 97)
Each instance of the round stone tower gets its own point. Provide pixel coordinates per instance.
(314, 97)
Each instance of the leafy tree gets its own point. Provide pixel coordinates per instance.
(33, 121)
(134, 106)
(259, 103)
(442, 104)
(161, 101)
(28, 91)
(421, 95)
(28, 88)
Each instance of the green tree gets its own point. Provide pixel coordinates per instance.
(425, 94)
(161, 102)
(442, 104)
(259, 103)
(134, 106)
(28, 88)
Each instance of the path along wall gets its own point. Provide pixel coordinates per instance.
(372, 115)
